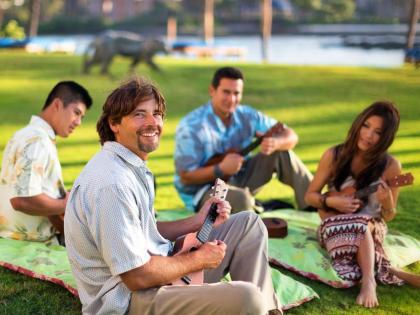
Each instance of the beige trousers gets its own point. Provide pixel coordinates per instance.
(258, 171)
(250, 291)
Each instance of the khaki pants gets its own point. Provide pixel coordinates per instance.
(258, 171)
(250, 292)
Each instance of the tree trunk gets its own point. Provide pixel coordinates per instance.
(209, 21)
(71, 7)
(171, 29)
(415, 13)
(266, 23)
(34, 20)
(1, 17)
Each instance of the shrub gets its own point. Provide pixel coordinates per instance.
(13, 30)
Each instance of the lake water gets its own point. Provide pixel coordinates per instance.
(283, 49)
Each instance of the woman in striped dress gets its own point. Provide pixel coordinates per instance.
(352, 229)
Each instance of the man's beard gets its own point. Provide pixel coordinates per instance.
(147, 147)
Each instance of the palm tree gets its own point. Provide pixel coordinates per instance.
(415, 14)
(209, 21)
(4, 5)
(35, 11)
(266, 23)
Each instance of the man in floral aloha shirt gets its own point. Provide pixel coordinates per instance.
(32, 193)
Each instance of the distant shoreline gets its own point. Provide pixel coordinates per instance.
(252, 28)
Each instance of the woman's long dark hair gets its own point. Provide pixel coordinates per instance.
(375, 158)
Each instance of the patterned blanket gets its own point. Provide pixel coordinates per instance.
(50, 263)
(299, 252)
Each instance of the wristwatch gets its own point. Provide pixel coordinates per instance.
(217, 171)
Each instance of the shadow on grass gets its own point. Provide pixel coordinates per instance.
(411, 164)
(165, 184)
(78, 143)
(409, 135)
(161, 156)
(163, 174)
(405, 151)
(73, 163)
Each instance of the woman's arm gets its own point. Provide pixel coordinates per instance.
(323, 173)
(313, 196)
(388, 196)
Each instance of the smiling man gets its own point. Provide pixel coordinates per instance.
(121, 256)
(32, 188)
(223, 127)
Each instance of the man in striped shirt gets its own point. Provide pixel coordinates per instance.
(121, 256)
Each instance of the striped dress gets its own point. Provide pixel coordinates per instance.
(341, 236)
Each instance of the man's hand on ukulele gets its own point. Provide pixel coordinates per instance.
(344, 204)
(268, 145)
(223, 210)
(64, 201)
(212, 253)
(231, 164)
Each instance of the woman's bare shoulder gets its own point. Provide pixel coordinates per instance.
(329, 155)
(393, 168)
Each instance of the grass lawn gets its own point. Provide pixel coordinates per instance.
(318, 102)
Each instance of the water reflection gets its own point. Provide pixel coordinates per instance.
(283, 49)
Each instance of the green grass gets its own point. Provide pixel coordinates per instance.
(318, 102)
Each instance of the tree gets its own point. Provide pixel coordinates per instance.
(71, 7)
(327, 10)
(414, 16)
(35, 11)
(1, 16)
(208, 21)
(4, 5)
(266, 24)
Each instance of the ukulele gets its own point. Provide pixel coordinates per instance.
(192, 241)
(276, 227)
(397, 181)
(218, 157)
(57, 220)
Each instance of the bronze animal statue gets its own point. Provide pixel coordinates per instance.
(111, 43)
(412, 55)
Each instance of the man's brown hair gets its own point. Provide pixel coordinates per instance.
(122, 101)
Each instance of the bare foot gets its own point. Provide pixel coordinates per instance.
(367, 296)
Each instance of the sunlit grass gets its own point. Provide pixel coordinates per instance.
(318, 102)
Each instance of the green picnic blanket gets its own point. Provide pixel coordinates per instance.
(50, 263)
(299, 252)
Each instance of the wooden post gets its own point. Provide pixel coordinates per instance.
(266, 22)
(35, 13)
(208, 21)
(171, 29)
(415, 14)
